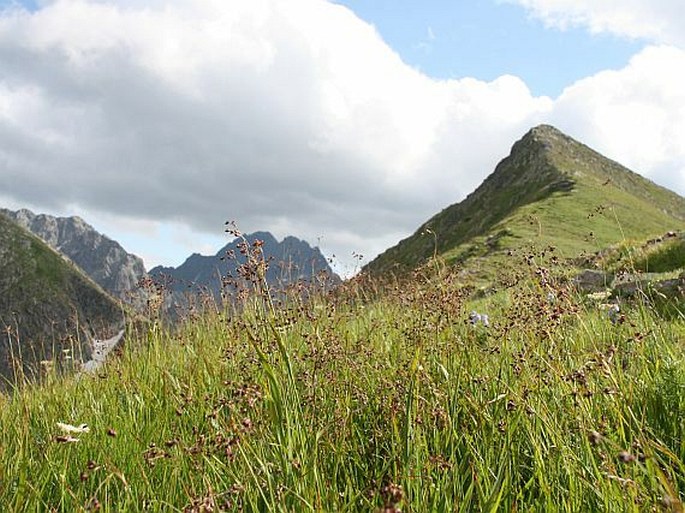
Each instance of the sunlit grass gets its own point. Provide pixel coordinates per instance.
(386, 403)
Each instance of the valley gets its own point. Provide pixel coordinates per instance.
(521, 351)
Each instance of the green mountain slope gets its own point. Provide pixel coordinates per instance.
(47, 305)
(550, 190)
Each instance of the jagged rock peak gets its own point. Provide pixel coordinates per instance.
(101, 258)
(290, 260)
(540, 139)
(545, 133)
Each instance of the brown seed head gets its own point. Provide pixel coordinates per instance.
(626, 457)
(594, 437)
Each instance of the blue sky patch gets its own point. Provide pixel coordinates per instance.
(486, 39)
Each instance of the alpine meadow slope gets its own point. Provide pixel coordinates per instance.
(49, 309)
(550, 191)
(387, 398)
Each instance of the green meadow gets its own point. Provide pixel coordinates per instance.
(370, 397)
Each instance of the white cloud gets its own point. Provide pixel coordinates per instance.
(293, 117)
(659, 21)
(635, 115)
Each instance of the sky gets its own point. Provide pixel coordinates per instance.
(345, 123)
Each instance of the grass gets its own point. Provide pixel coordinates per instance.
(662, 258)
(362, 401)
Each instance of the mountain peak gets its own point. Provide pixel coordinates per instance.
(547, 175)
(546, 140)
(545, 132)
(291, 260)
(542, 139)
(100, 257)
(50, 304)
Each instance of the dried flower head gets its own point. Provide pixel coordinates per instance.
(626, 457)
(594, 437)
(65, 439)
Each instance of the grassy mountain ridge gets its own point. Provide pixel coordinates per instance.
(46, 303)
(550, 190)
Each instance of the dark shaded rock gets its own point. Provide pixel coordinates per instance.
(631, 284)
(290, 261)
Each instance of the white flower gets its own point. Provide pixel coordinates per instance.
(599, 296)
(475, 318)
(68, 428)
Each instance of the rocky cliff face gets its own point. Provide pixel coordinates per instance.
(101, 258)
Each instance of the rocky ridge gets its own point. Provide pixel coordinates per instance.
(289, 261)
(101, 258)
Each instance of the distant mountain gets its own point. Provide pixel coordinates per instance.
(101, 258)
(290, 261)
(550, 190)
(48, 307)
